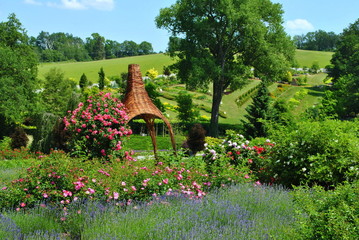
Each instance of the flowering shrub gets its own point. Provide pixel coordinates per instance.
(62, 179)
(324, 153)
(22, 153)
(97, 127)
(236, 153)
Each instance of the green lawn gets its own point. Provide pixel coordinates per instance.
(111, 67)
(306, 58)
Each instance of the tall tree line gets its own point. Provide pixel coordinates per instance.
(61, 46)
(319, 41)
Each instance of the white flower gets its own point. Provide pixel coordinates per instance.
(268, 141)
(304, 169)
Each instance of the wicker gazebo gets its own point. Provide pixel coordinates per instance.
(139, 104)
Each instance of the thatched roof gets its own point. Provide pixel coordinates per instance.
(138, 103)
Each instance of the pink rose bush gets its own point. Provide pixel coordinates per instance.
(97, 127)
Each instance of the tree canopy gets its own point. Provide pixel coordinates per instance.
(319, 41)
(219, 41)
(345, 71)
(18, 71)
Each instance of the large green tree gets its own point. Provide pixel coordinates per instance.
(219, 41)
(95, 46)
(345, 71)
(56, 92)
(18, 71)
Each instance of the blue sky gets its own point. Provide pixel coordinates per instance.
(122, 20)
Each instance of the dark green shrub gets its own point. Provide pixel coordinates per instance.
(196, 138)
(19, 138)
(44, 136)
(324, 153)
(186, 111)
(329, 214)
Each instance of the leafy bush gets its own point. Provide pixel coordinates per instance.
(196, 138)
(236, 154)
(19, 138)
(152, 73)
(5, 143)
(330, 214)
(186, 111)
(324, 153)
(61, 179)
(97, 127)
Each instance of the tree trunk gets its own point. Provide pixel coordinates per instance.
(216, 102)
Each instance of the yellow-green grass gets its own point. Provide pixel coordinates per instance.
(306, 58)
(111, 67)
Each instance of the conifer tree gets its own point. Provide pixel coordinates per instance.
(83, 81)
(101, 79)
(257, 112)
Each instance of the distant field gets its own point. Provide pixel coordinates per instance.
(306, 58)
(111, 67)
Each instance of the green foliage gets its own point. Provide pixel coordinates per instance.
(288, 77)
(324, 153)
(83, 81)
(5, 144)
(346, 57)
(257, 113)
(247, 95)
(18, 71)
(19, 138)
(151, 90)
(319, 41)
(44, 137)
(236, 158)
(186, 110)
(315, 67)
(101, 79)
(346, 94)
(95, 46)
(59, 46)
(220, 48)
(331, 214)
(56, 92)
(167, 71)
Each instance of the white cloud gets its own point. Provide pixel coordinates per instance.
(33, 2)
(299, 25)
(73, 4)
(104, 5)
(100, 4)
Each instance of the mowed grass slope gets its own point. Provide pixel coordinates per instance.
(114, 67)
(111, 67)
(306, 58)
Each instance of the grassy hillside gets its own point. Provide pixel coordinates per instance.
(306, 58)
(229, 107)
(111, 67)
